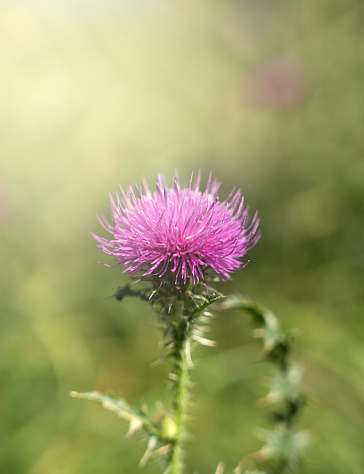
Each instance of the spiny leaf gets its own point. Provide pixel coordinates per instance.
(270, 331)
(243, 303)
(208, 302)
(137, 418)
(281, 443)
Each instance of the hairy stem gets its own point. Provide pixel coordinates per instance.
(181, 387)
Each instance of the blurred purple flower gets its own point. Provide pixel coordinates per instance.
(279, 83)
(179, 231)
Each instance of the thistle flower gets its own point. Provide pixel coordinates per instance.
(179, 232)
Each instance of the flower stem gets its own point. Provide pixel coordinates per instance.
(180, 377)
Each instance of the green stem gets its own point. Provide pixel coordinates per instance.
(181, 383)
(184, 316)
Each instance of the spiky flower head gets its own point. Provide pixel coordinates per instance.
(179, 232)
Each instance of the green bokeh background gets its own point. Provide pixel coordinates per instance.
(266, 94)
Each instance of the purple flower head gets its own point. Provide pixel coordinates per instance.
(179, 231)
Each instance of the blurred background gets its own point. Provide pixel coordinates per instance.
(267, 95)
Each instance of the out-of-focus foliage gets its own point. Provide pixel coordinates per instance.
(267, 95)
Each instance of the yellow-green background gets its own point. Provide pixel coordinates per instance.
(98, 93)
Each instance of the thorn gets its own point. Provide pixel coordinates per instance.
(152, 442)
(162, 450)
(188, 353)
(266, 400)
(238, 469)
(204, 341)
(156, 363)
(134, 426)
(76, 395)
(170, 305)
(260, 456)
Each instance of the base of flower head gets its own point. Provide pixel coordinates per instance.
(166, 297)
